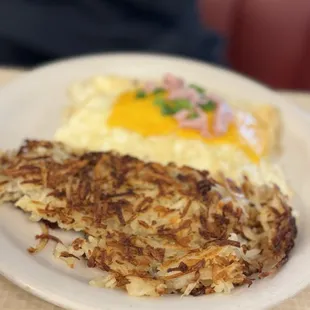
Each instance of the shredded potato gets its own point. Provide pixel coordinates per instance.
(42, 241)
(154, 229)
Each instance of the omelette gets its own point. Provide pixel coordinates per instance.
(172, 120)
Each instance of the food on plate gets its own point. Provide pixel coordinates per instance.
(154, 229)
(171, 121)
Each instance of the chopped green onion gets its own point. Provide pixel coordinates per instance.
(181, 104)
(167, 110)
(198, 88)
(192, 115)
(172, 107)
(209, 106)
(158, 90)
(159, 101)
(140, 94)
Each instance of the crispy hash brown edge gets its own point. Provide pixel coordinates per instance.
(228, 235)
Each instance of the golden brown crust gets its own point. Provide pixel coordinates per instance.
(177, 220)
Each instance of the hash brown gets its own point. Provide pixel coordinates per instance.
(156, 229)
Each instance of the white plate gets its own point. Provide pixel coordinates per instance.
(32, 106)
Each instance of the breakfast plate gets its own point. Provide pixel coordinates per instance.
(32, 107)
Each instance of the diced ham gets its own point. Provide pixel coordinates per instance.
(177, 89)
(194, 96)
(149, 86)
(172, 82)
(177, 93)
(181, 115)
(199, 123)
(185, 93)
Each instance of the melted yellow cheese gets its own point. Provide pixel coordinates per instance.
(141, 115)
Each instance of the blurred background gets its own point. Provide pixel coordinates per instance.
(268, 40)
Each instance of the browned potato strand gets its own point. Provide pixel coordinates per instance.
(156, 229)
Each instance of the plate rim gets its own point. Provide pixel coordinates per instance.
(71, 60)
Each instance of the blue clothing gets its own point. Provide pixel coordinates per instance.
(34, 31)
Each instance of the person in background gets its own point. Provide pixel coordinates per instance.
(36, 31)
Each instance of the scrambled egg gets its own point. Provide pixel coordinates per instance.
(105, 114)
